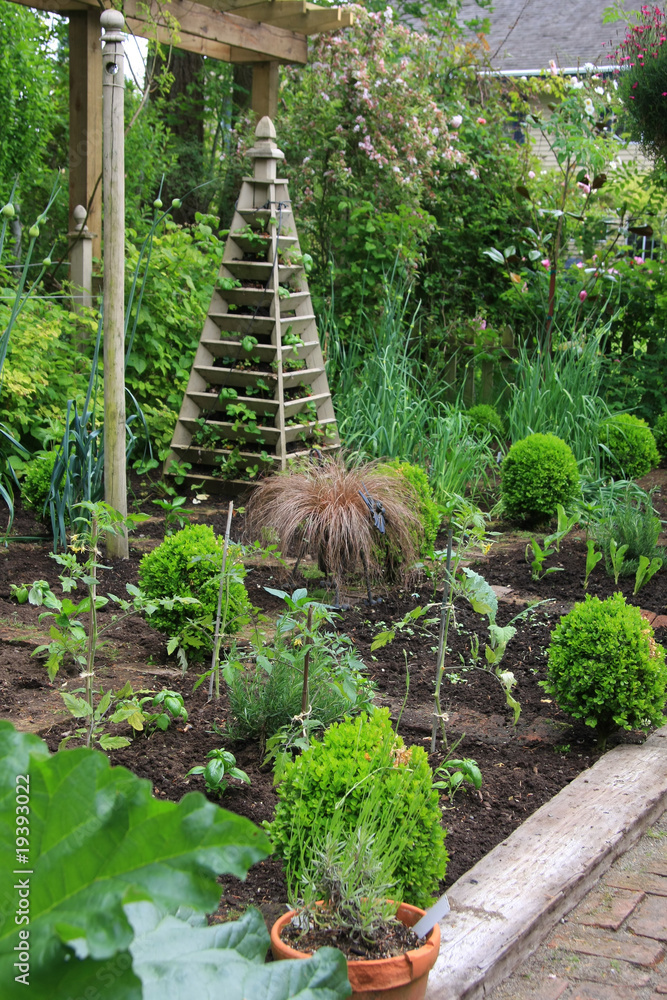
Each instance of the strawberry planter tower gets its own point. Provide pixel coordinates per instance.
(258, 392)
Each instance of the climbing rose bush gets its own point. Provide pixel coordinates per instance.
(368, 91)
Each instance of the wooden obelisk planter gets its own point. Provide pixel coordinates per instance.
(258, 392)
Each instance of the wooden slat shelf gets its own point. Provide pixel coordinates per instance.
(304, 376)
(251, 245)
(232, 348)
(211, 456)
(295, 324)
(243, 323)
(283, 437)
(261, 271)
(258, 298)
(269, 435)
(255, 217)
(297, 405)
(233, 376)
(209, 402)
(293, 431)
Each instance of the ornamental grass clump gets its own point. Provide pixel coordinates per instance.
(628, 446)
(333, 778)
(319, 507)
(606, 668)
(188, 564)
(538, 473)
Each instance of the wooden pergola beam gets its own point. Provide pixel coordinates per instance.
(200, 29)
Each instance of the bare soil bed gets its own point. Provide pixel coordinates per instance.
(522, 766)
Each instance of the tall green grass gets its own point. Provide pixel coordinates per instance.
(388, 405)
(561, 393)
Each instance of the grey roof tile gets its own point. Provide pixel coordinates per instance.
(526, 34)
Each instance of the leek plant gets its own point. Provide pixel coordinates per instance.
(560, 392)
(388, 408)
(13, 299)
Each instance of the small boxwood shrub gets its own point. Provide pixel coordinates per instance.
(188, 564)
(606, 668)
(427, 509)
(36, 482)
(340, 765)
(484, 417)
(538, 473)
(628, 446)
(660, 435)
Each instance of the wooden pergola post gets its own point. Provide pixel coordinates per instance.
(113, 86)
(85, 120)
(264, 97)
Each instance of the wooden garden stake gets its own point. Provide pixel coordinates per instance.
(445, 616)
(113, 91)
(215, 666)
(306, 663)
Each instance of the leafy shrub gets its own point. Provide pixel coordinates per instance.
(605, 666)
(632, 522)
(36, 482)
(632, 450)
(339, 766)
(660, 435)
(486, 418)
(427, 509)
(538, 473)
(188, 564)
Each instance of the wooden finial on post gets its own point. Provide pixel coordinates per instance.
(113, 178)
(81, 261)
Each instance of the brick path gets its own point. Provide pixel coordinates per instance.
(613, 945)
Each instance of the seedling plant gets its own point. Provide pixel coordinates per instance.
(220, 768)
(69, 636)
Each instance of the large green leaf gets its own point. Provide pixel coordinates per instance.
(97, 841)
(175, 961)
(479, 594)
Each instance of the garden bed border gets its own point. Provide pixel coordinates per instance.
(508, 903)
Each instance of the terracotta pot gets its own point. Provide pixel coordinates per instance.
(400, 978)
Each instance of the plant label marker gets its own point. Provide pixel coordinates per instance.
(434, 914)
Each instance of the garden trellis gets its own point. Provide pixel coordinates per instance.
(258, 391)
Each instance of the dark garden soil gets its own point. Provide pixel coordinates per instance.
(522, 766)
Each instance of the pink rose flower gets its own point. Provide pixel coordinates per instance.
(481, 121)
(583, 295)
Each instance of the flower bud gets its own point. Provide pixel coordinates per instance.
(583, 295)
(33, 232)
(157, 203)
(176, 203)
(47, 262)
(8, 211)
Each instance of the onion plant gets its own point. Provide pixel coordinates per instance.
(560, 392)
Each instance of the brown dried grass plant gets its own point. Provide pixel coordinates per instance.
(317, 507)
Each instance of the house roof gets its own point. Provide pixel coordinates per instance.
(527, 34)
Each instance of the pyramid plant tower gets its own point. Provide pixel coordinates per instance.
(258, 394)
